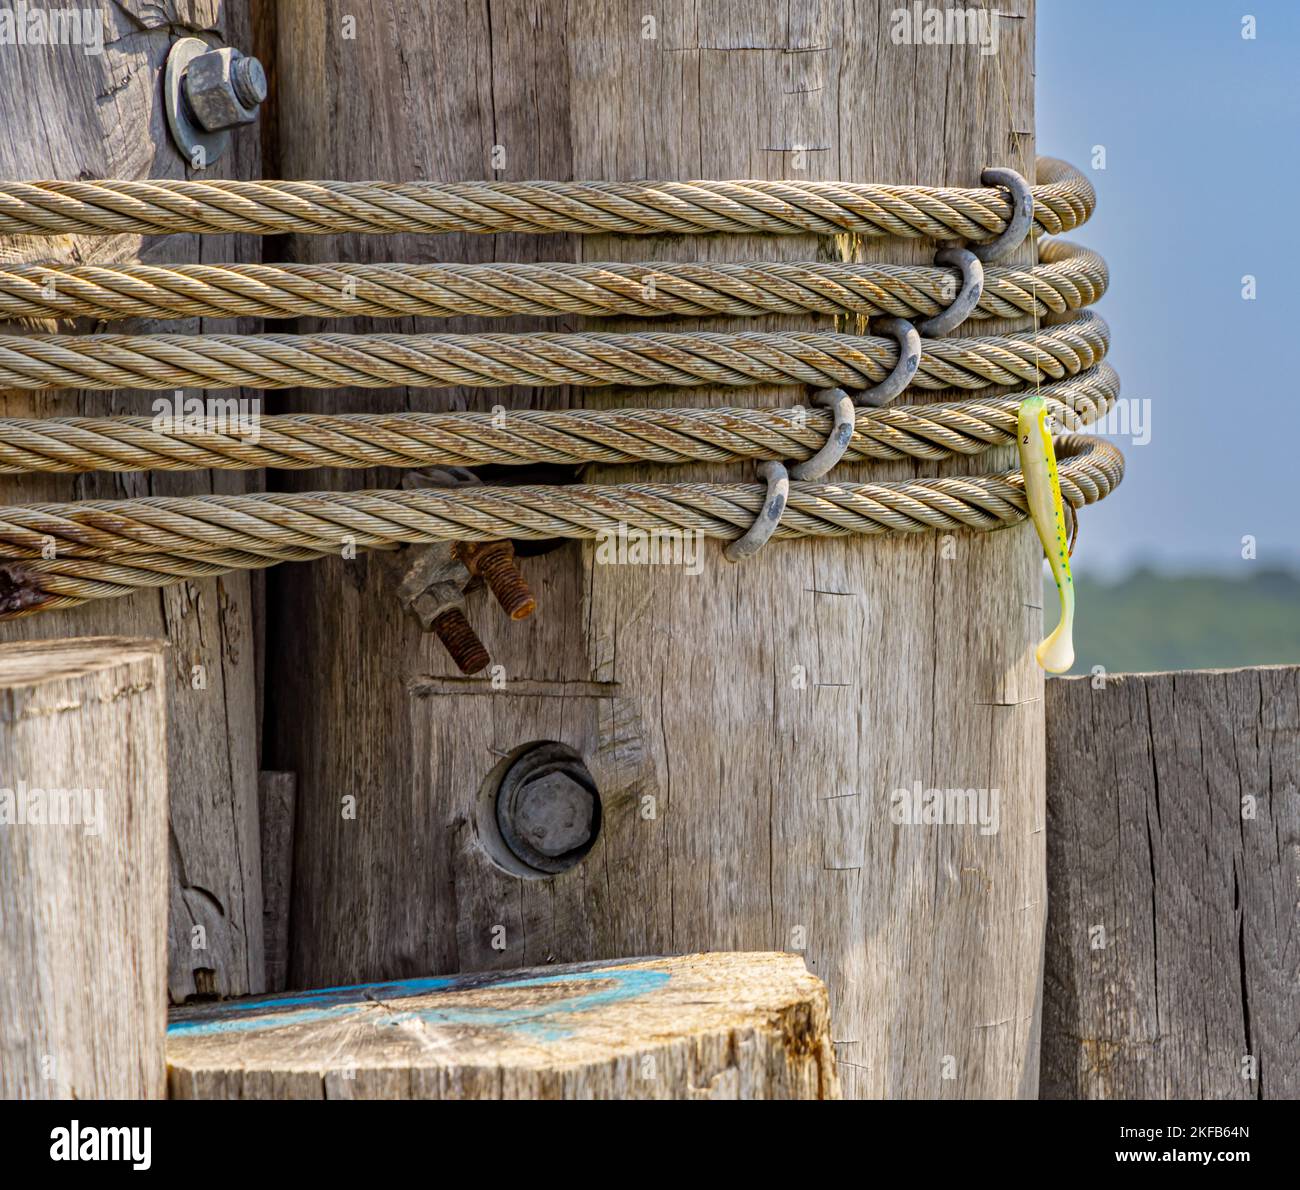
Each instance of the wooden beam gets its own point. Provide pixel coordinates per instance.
(714, 1026)
(750, 723)
(83, 869)
(66, 113)
(276, 799)
(1173, 951)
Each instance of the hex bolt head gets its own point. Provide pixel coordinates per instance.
(553, 814)
(546, 811)
(224, 88)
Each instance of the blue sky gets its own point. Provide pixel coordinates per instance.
(1202, 136)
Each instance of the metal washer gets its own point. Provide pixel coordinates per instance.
(186, 132)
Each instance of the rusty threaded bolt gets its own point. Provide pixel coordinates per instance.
(494, 562)
(461, 641)
(249, 80)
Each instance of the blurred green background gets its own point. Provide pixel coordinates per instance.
(1152, 621)
(1163, 577)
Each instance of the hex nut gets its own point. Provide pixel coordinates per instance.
(553, 814)
(224, 88)
(545, 811)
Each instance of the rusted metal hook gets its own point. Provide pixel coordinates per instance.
(837, 442)
(778, 492)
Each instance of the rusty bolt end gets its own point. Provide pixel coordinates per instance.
(461, 641)
(507, 584)
(494, 561)
(248, 78)
(20, 591)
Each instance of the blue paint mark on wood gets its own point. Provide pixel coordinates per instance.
(539, 1022)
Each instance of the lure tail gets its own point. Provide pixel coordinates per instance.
(1055, 653)
(1043, 495)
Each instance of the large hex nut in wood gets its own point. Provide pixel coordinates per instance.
(554, 814)
(224, 88)
(548, 808)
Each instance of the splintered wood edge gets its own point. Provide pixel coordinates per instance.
(34, 662)
(1142, 675)
(513, 1021)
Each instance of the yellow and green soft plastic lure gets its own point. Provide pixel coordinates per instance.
(1043, 494)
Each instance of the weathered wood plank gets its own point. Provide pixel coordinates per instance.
(1173, 943)
(276, 802)
(68, 113)
(83, 869)
(715, 1026)
(765, 713)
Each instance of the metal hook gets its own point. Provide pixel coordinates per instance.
(909, 359)
(837, 442)
(963, 305)
(1022, 213)
(778, 491)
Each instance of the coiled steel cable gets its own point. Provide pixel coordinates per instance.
(1067, 278)
(819, 359)
(106, 548)
(60, 555)
(567, 437)
(1063, 199)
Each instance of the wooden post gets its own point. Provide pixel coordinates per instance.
(83, 869)
(276, 798)
(710, 1026)
(70, 113)
(1172, 815)
(746, 725)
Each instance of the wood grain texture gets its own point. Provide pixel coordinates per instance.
(751, 721)
(1173, 834)
(83, 869)
(714, 1026)
(276, 802)
(68, 114)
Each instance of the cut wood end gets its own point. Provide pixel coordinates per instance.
(722, 1025)
(30, 663)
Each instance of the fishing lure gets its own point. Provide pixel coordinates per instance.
(1055, 653)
